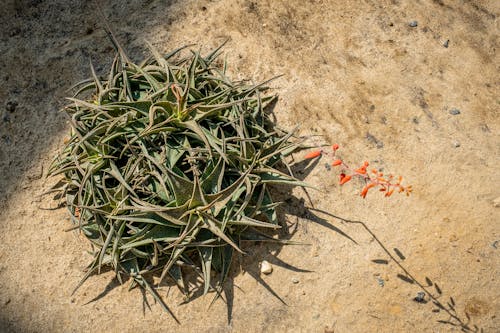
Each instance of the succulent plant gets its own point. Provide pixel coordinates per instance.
(168, 166)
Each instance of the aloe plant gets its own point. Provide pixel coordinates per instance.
(168, 166)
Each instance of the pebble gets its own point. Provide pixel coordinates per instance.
(266, 267)
(11, 106)
(6, 139)
(496, 202)
(379, 144)
(420, 298)
(456, 144)
(454, 111)
(413, 24)
(485, 128)
(295, 280)
(446, 43)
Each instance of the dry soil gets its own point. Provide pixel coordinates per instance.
(384, 79)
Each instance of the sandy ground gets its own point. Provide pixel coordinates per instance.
(355, 72)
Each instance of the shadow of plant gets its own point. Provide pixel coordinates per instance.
(426, 295)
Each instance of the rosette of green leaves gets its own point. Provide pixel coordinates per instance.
(168, 166)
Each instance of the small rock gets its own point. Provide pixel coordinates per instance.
(380, 282)
(6, 118)
(35, 174)
(266, 267)
(6, 139)
(413, 24)
(485, 128)
(371, 138)
(454, 111)
(328, 167)
(7, 301)
(496, 202)
(446, 43)
(456, 144)
(420, 298)
(11, 106)
(295, 280)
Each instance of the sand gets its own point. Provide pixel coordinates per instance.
(383, 79)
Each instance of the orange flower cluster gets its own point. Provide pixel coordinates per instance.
(387, 184)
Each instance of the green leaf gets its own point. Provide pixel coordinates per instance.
(206, 260)
(156, 234)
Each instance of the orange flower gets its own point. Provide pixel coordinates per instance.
(345, 179)
(361, 170)
(364, 191)
(366, 188)
(409, 189)
(312, 154)
(372, 177)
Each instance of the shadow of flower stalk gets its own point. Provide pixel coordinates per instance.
(435, 297)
